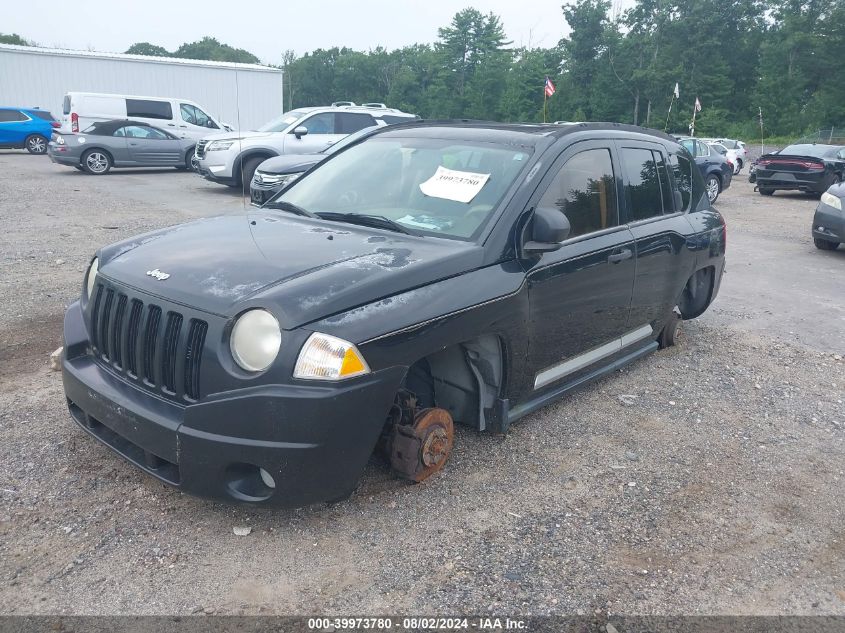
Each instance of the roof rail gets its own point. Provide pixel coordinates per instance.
(338, 104)
(374, 105)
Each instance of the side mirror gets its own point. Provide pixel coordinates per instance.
(300, 131)
(549, 227)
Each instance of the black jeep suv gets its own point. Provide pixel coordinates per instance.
(432, 273)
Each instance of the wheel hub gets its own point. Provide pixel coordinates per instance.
(420, 449)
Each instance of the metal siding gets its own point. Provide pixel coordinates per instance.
(241, 97)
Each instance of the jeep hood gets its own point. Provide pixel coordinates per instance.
(301, 269)
(290, 164)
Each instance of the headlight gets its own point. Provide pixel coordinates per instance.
(832, 201)
(325, 357)
(255, 340)
(216, 146)
(92, 277)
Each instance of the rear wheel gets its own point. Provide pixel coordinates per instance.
(36, 144)
(96, 161)
(713, 187)
(670, 332)
(825, 245)
(766, 192)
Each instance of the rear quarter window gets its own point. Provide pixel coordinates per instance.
(43, 115)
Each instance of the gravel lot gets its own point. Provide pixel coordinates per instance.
(717, 485)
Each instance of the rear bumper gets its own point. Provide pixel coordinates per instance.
(61, 158)
(809, 182)
(313, 440)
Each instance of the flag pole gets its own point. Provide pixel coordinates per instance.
(668, 114)
(545, 98)
(692, 127)
(761, 132)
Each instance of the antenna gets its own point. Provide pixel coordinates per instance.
(240, 142)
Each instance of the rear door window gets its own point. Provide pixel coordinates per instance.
(682, 170)
(642, 183)
(66, 105)
(149, 109)
(349, 122)
(9, 116)
(584, 190)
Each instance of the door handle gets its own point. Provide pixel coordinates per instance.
(622, 255)
(171, 125)
(183, 126)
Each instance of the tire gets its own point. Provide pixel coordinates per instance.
(713, 187)
(36, 144)
(79, 167)
(190, 162)
(248, 171)
(669, 334)
(96, 161)
(766, 192)
(824, 245)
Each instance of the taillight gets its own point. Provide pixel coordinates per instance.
(763, 163)
(55, 124)
(74, 122)
(812, 165)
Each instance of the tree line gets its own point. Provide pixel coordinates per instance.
(738, 58)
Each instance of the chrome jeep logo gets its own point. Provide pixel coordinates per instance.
(157, 274)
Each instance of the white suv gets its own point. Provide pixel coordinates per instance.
(231, 158)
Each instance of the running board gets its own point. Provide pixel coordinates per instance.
(540, 401)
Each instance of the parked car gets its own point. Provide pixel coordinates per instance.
(180, 117)
(730, 156)
(26, 128)
(736, 146)
(811, 168)
(714, 167)
(276, 173)
(418, 278)
(231, 159)
(121, 144)
(829, 219)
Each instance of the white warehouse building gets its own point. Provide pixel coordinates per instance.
(243, 95)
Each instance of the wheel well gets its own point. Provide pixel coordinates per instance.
(265, 154)
(697, 293)
(465, 379)
(98, 149)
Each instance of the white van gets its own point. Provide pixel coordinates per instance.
(181, 117)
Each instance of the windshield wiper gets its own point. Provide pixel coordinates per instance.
(281, 205)
(364, 219)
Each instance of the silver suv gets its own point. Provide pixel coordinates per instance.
(231, 158)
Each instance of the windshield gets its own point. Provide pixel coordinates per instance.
(428, 186)
(281, 123)
(817, 151)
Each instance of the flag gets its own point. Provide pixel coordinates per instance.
(697, 105)
(549, 87)
(677, 91)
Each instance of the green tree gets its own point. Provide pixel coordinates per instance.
(145, 48)
(209, 48)
(14, 38)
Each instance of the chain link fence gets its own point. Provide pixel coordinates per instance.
(832, 136)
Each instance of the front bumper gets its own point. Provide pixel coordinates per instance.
(260, 193)
(829, 224)
(314, 440)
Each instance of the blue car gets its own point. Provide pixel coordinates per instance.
(28, 128)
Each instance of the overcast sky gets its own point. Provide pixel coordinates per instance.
(268, 28)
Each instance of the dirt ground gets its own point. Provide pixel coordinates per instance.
(716, 486)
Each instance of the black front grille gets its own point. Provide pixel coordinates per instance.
(146, 344)
(199, 150)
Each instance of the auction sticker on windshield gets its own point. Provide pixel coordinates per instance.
(460, 186)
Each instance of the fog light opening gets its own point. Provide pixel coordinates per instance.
(267, 478)
(248, 482)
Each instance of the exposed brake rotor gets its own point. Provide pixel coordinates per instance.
(420, 449)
